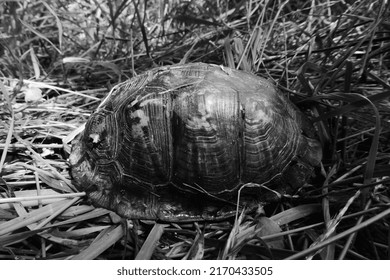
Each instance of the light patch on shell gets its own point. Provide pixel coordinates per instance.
(136, 129)
(211, 103)
(258, 112)
(196, 122)
(143, 119)
(204, 109)
(95, 137)
(261, 115)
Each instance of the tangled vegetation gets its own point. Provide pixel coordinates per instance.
(58, 59)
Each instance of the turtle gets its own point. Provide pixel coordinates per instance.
(187, 142)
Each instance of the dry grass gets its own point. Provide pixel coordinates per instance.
(57, 60)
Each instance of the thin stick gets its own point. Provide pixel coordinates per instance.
(22, 146)
(56, 213)
(19, 199)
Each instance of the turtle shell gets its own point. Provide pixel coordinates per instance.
(177, 143)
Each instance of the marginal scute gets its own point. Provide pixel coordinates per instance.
(177, 142)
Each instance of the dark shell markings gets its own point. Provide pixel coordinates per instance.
(177, 143)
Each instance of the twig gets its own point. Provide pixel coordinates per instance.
(51, 196)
